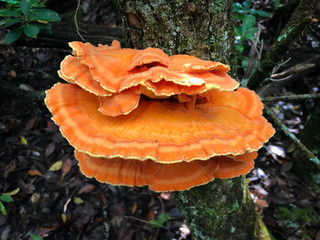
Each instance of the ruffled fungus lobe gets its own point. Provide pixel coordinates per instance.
(140, 117)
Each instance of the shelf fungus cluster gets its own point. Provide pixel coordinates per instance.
(140, 117)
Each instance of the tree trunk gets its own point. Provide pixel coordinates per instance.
(221, 209)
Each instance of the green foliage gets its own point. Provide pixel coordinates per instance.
(35, 237)
(158, 222)
(26, 16)
(246, 17)
(246, 29)
(4, 197)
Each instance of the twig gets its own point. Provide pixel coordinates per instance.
(293, 137)
(293, 70)
(299, 20)
(75, 21)
(254, 55)
(291, 97)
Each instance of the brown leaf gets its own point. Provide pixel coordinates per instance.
(126, 233)
(83, 214)
(34, 172)
(13, 73)
(286, 167)
(117, 210)
(30, 123)
(261, 203)
(103, 199)
(10, 168)
(66, 166)
(150, 215)
(134, 208)
(86, 188)
(50, 149)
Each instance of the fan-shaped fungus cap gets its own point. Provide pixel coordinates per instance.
(163, 177)
(188, 118)
(112, 71)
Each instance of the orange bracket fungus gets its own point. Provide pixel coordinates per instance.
(141, 117)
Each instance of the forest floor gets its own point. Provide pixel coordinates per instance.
(53, 200)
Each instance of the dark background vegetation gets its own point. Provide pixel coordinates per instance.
(52, 200)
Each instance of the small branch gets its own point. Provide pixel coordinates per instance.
(75, 21)
(293, 137)
(299, 20)
(293, 70)
(254, 56)
(10, 90)
(291, 97)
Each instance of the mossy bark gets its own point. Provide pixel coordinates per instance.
(221, 209)
(200, 28)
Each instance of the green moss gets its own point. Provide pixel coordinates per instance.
(216, 6)
(222, 202)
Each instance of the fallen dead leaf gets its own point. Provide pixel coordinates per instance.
(134, 208)
(34, 172)
(86, 188)
(56, 166)
(77, 200)
(66, 166)
(49, 149)
(13, 73)
(261, 204)
(83, 214)
(43, 231)
(23, 140)
(35, 197)
(10, 168)
(30, 123)
(14, 192)
(64, 217)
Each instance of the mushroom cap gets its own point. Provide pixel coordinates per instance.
(115, 68)
(163, 177)
(108, 71)
(162, 131)
(73, 71)
(140, 117)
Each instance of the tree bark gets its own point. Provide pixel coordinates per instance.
(221, 209)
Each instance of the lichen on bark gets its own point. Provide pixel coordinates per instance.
(222, 208)
(199, 28)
